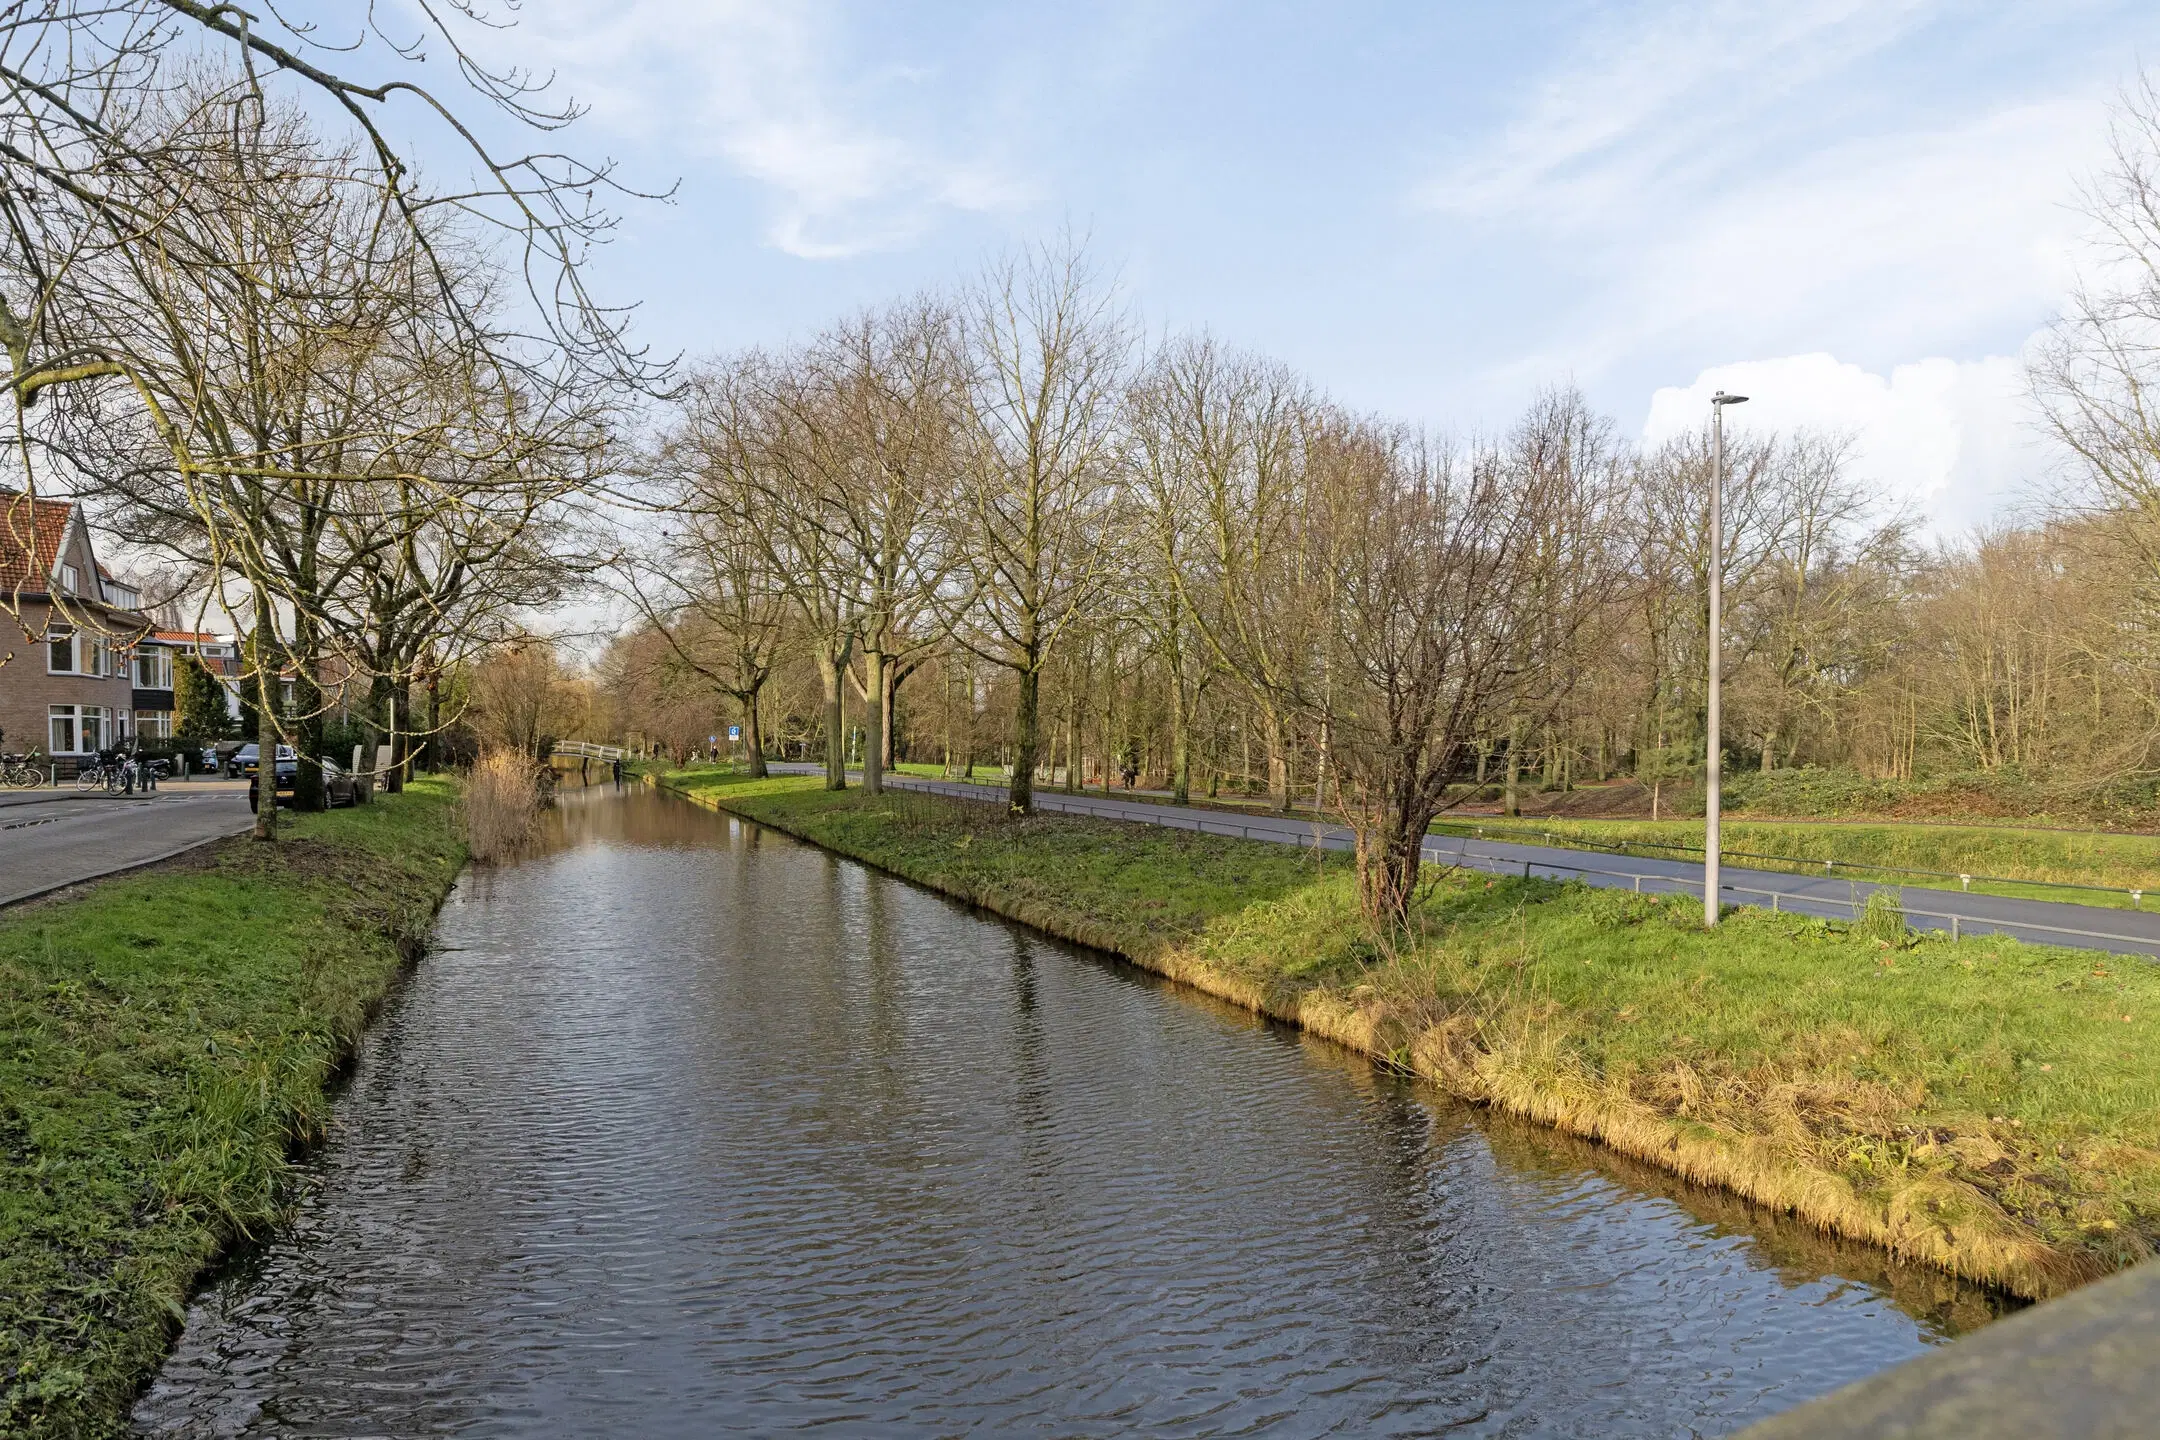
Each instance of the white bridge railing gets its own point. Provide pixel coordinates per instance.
(587, 750)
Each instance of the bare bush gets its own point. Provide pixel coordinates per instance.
(503, 799)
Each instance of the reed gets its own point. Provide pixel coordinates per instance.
(503, 800)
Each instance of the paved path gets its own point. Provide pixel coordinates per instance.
(2091, 927)
(71, 837)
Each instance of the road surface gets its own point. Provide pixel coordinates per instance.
(64, 838)
(2092, 927)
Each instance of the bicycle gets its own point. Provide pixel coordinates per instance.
(106, 772)
(21, 771)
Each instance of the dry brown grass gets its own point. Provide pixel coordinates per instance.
(502, 805)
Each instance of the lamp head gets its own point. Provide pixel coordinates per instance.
(1721, 398)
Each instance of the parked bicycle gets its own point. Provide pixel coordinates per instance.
(108, 772)
(22, 771)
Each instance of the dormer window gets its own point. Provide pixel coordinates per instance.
(70, 579)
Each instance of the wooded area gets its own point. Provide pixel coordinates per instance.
(997, 528)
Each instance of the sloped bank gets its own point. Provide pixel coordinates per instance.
(168, 1043)
(1982, 1106)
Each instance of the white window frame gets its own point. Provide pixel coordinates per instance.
(69, 577)
(80, 719)
(73, 639)
(153, 724)
(161, 668)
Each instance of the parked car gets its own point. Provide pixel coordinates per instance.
(339, 786)
(248, 758)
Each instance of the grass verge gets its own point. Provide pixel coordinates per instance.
(1987, 1107)
(167, 1044)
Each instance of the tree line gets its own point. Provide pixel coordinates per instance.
(1001, 525)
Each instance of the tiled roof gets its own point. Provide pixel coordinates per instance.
(31, 534)
(191, 637)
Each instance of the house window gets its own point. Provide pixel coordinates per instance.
(60, 652)
(70, 579)
(153, 668)
(153, 724)
(77, 729)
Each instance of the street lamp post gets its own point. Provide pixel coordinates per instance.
(1713, 799)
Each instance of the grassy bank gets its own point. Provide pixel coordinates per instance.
(166, 1043)
(2071, 857)
(1987, 1107)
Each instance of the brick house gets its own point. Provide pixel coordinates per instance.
(72, 649)
(218, 654)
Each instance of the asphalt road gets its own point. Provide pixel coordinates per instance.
(2091, 927)
(49, 839)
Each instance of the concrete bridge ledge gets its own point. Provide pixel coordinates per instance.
(2084, 1366)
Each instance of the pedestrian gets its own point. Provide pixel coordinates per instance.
(618, 772)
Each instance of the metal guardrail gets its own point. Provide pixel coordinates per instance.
(1829, 866)
(1781, 902)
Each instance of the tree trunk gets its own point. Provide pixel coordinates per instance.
(753, 733)
(401, 737)
(1072, 737)
(1513, 804)
(969, 772)
(1180, 744)
(835, 721)
(1278, 760)
(1020, 796)
(429, 746)
(308, 791)
(1387, 864)
(873, 759)
(266, 730)
(893, 675)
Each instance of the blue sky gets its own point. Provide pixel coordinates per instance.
(1859, 212)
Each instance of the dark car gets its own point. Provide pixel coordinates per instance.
(243, 763)
(339, 786)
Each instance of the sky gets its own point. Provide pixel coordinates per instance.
(1858, 212)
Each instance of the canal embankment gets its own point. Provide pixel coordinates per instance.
(1983, 1106)
(169, 1041)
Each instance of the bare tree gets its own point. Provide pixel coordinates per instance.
(1038, 495)
(2098, 372)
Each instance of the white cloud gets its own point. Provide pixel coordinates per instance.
(1866, 245)
(1952, 441)
(1651, 99)
(853, 155)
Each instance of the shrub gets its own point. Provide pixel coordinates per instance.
(503, 798)
(1882, 919)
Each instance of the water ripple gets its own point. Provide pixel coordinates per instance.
(690, 1130)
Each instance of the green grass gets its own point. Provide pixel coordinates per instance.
(167, 1041)
(1984, 1105)
(2079, 857)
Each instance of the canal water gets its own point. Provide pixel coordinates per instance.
(687, 1129)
